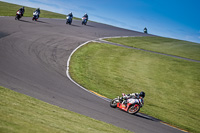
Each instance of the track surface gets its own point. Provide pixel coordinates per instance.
(33, 60)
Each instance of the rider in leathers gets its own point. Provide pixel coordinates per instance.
(22, 10)
(38, 10)
(132, 95)
(85, 15)
(70, 15)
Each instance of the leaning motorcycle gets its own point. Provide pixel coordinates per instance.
(18, 15)
(84, 20)
(69, 20)
(35, 15)
(132, 106)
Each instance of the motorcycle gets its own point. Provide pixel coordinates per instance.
(35, 15)
(18, 15)
(132, 106)
(68, 20)
(84, 20)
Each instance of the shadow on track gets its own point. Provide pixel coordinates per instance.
(25, 21)
(75, 25)
(147, 117)
(42, 22)
(89, 25)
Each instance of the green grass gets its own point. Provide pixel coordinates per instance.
(8, 9)
(163, 45)
(171, 85)
(23, 114)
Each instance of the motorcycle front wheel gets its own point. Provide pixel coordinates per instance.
(17, 17)
(113, 103)
(134, 109)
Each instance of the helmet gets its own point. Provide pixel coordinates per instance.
(85, 13)
(22, 7)
(142, 94)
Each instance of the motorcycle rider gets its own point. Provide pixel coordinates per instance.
(22, 10)
(85, 15)
(70, 15)
(145, 30)
(132, 95)
(38, 10)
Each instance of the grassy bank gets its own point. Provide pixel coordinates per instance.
(23, 114)
(171, 85)
(8, 9)
(163, 45)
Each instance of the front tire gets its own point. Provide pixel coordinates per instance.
(113, 103)
(134, 109)
(17, 17)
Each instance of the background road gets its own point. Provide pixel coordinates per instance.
(33, 60)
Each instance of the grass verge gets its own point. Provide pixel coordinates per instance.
(23, 114)
(8, 9)
(163, 45)
(171, 85)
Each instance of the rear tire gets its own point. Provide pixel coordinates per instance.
(133, 110)
(113, 103)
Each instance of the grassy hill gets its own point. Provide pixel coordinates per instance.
(23, 114)
(171, 84)
(162, 45)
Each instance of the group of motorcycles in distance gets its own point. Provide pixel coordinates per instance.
(36, 14)
(20, 13)
(69, 20)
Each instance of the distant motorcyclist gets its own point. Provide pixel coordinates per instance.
(132, 95)
(86, 16)
(145, 30)
(70, 15)
(22, 10)
(38, 10)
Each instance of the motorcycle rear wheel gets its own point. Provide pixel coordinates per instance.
(133, 109)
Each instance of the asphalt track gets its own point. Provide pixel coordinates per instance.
(33, 61)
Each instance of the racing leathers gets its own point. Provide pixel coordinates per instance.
(70, 15)
(22, 10)
(125, 97)
(86, 17)
(38, 10)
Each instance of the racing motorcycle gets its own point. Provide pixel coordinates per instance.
(35, 15)
(132, 106)
(84, 20)
(18, 15)
(69, 20)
